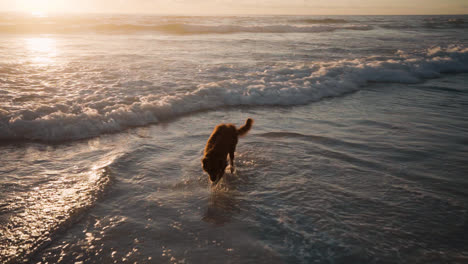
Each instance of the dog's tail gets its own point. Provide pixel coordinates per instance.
(245, 128)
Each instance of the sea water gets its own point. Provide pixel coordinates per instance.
(357, 154)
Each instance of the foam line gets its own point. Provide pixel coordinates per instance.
(269, 86)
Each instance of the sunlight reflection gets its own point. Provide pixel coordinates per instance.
(39, 14)
(42, 50)
(38, 214)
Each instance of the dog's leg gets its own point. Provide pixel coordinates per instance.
(231, 158)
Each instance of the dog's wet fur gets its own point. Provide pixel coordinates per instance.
(222, 142)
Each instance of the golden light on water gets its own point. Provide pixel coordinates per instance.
(41, 50)
(220, 7)
(39, 14)
(45, 209)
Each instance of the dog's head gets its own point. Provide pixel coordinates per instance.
(214, 167)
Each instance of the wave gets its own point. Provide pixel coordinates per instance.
(226, 29)
(279, 84)
(172, 28)
(428, 23)
(325, 21)
(449, 23)
(216, 25)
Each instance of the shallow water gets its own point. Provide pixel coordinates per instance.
(354, 157)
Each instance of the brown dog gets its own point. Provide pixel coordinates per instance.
(222, 142)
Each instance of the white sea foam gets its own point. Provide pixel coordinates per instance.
(278, 84)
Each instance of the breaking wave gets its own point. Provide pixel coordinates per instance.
(279, 84)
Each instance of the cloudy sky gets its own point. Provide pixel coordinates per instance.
(213, 7)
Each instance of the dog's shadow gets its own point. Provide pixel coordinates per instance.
(224, 201)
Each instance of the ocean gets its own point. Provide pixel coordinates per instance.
(358, 153)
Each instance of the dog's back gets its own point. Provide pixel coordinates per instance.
(221, 140)
(224, 136)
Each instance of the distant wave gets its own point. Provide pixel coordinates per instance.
(173, 28)
(445, 23)
(280, 84)
(456, 21)
(432, 23)
(325, 21)
(445, 20)
(226, 29)
(209, 25)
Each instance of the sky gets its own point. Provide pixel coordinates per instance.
(226, 7)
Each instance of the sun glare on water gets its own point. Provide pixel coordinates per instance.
(42, 50)
(39, 14)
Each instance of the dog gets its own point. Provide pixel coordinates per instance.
(222, 142)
